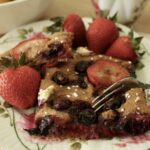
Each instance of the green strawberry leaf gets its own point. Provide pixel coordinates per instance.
(139, 65)
(22, 59)
(136, 42)
(104, 13)
(14, 63)
(119, 29)
(114, 17)
(131, 34)
(145, 49)
(138, 39)
(141, 54)
(5, 61)
(136, 45)
(7, 105)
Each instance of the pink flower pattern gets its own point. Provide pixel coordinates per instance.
(134, 140)
(36, 35)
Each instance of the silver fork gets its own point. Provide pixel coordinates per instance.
(126, 83)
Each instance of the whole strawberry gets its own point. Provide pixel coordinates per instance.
(123, 48)
(19, 86)
(101, 34)
(73, 23)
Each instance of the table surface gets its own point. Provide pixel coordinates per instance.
(85, 8)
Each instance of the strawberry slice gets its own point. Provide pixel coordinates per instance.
(30, 47)
(122, 48)
(45, 50)
(105, 73)
(73, 23)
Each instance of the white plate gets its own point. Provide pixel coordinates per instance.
(13, 137)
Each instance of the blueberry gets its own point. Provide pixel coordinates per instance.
(55, 50)
(44, 125)
(60, 78)
(133, 126)
(81, 104)
(81, 82)
(43, 72)
(87, 116)
(61, 104)
(33, 131)
(77, 107)
(110, 122)
(74, 111)
(82, 66)
(115, 102)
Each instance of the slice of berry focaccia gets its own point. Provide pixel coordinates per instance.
(66, 94)
(45, 50)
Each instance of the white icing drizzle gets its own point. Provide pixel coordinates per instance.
(91, 58)
(83, 51)
(68, 87)
(75, 94)
(137, 99)
(68, 69)
(138, 108)
(43, 95)
(122, 110)
(68, 96)
(127, 95)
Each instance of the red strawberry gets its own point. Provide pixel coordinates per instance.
(30, 47)
(101, 34)
(44, 50)
(105, 73)
(122, 48)
(73, 23)
(19, 86)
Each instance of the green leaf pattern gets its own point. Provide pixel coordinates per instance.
(75, 146)
(4, 111)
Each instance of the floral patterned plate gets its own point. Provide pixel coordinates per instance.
(12, 135)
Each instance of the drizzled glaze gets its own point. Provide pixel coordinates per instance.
(135, 101)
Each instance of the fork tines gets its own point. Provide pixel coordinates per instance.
(124, 84)
(100, 100)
